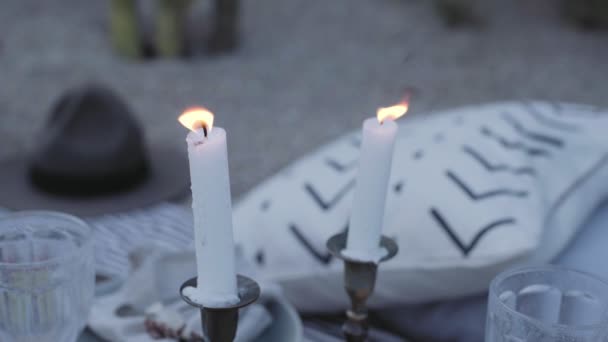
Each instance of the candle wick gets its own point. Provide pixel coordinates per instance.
(201, 125)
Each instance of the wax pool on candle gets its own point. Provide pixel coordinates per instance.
(212, 209)
(367, 213)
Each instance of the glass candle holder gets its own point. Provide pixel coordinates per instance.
(47, 276)
(547, 304)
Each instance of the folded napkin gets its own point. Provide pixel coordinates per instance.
(148, 306)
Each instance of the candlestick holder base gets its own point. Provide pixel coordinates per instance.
(220, 324)
(359, 283)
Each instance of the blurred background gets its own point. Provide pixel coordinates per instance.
(304, 71)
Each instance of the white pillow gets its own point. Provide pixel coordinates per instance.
(472, 191)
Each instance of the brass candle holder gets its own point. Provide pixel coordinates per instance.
(220, 323)
(359, 283)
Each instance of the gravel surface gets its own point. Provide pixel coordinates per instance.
(307, 71)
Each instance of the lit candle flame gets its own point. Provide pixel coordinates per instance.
(392, 112)
(197, 118)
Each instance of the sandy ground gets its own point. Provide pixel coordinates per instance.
(307, 71)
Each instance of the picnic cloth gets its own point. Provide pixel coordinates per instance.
(462, 319)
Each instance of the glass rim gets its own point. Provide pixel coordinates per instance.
(547, 268)
(87, 236)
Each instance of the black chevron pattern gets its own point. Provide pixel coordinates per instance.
(529, 134)
(339, 167)
(321, 255)
(483, 195)
(533, 142)
(514, 145)
(525, 170)
(549, 122)
(466, 248)
(326, 205)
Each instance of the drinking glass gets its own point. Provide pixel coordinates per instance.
(47, 276)
(547, 304)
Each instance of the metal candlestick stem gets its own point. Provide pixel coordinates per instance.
(220, 324)
(359, 282)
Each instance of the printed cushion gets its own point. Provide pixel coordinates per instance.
(472, 191)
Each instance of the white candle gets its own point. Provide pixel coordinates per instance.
(212, 209)
(375, 159)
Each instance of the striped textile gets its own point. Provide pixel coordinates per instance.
(166, 224)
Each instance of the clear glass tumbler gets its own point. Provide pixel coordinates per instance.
(547, 304)
(47, 276)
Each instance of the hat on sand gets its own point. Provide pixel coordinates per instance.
(91, 158)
